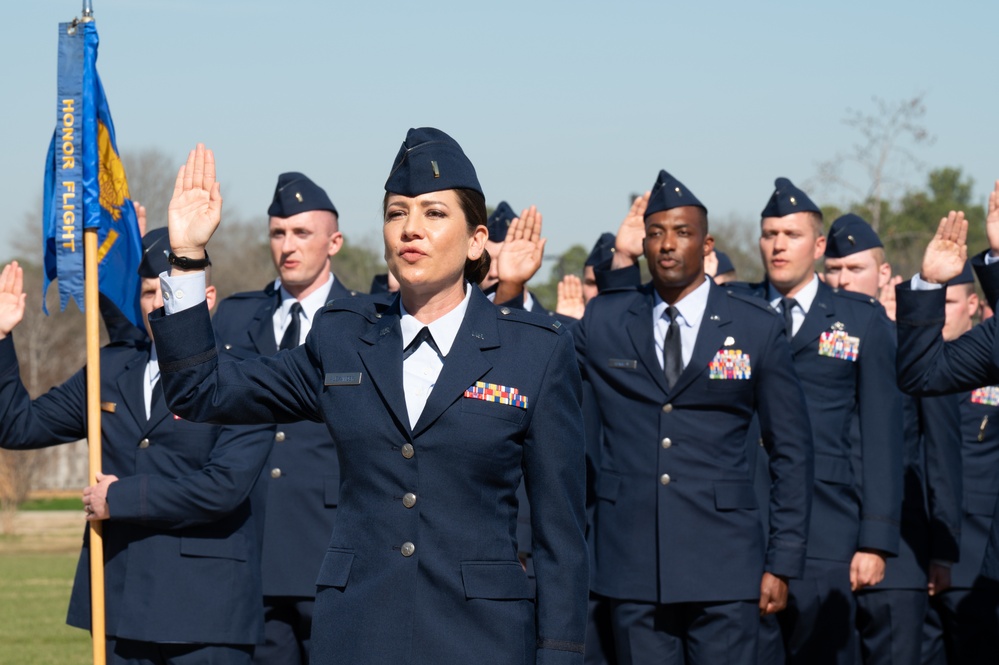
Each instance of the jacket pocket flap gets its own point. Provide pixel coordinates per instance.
(233, 547)
(833, 469)
(335, 569)
(979, 503)
(498, 580)
(732, 496)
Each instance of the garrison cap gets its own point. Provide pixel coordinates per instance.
(155, 249)
(295, 193)
(966, 276)
(850, 234)
(603, 250)
(430, 161)
(379, 284)
(669, 193)
(787, 200)
(499, 221)
(724, 263)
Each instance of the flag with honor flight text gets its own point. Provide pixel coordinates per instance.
(85, 184)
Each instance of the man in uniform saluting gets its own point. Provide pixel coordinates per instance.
(298, 490)
(679, 546)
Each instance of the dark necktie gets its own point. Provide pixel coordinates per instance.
(421, 337)
(156, 396)
(294, 329)
(786, 305)
(672, 350)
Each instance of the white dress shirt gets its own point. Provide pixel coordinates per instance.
(311, 304)
(691, 313)
(805, 297)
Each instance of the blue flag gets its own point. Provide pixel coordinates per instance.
(85, 185)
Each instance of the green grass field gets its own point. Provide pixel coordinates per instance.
(34, 595)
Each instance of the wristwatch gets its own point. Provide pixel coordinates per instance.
(187, 263)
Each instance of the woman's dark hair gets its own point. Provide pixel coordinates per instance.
(473, 205)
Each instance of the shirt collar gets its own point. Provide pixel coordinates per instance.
(691, 307)
(444, 329)
(805, 297)
(311, 304)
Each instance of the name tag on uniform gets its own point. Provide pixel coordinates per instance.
(343, 379)
(730, 364)
(839, 344)
(621, 363)
(989, 396)
(494, 392)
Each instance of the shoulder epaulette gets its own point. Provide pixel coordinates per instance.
(747, 297)
(370, 307)
(858, 297)
(523, 316)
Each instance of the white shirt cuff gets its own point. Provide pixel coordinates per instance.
(918, 284)
(182, 292)
(989, 259)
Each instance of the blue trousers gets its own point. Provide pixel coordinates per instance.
(890, 625)
(287, 630)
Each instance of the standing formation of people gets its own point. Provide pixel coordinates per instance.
(693, 470)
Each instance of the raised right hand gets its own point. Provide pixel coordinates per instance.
(12, 297)
(630, 241)
(196, 206)
(948, 250)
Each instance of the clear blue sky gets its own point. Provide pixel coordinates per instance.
(568, 105)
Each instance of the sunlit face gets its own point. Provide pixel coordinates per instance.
(427, 241)
(590, 290)
(675, 247)
(301, 247)
(789, 247)
(492, 278)
(962, 303)
(862, 272)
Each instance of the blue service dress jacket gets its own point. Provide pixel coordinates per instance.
(844, 354)
(296, 496)
(422, 563)
(677, 519)
(180, 546)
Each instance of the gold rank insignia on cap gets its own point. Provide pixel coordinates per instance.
(853, 241)
(437, 171)
(298, 196)
(677, 190)
(793, 201)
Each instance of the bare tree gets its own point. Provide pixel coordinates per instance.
(151, 174)
(884, 153)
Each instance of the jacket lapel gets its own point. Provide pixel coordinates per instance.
(710, 337)
(131, 389)
(465, 363)
(640, 329)
(383, 360)
(817, 321)
(261, 328)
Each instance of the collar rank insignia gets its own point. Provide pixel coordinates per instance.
(493, 392)
(839, 344)
(730, 364)
(989, 396)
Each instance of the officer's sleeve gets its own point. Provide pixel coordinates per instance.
(58, 416)
(787, 432)
(940, 421)
(555, 477)
(203, 495)
(880, 409)
(609, 278)
(929, 366)
(268, 389)
(988, 276)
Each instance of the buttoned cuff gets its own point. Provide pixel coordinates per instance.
(878, 534)
(920, 284)
(989, 259)
(182, 292)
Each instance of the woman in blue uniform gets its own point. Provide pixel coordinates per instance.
(438, 402)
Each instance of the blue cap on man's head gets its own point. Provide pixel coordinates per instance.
(724, 263)
(787, 200)
(430, 161)
(499, 221)
(669, 193)
(603, 250)
(966, 276)
(295, 193)
(850, 234)
(155, 249)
